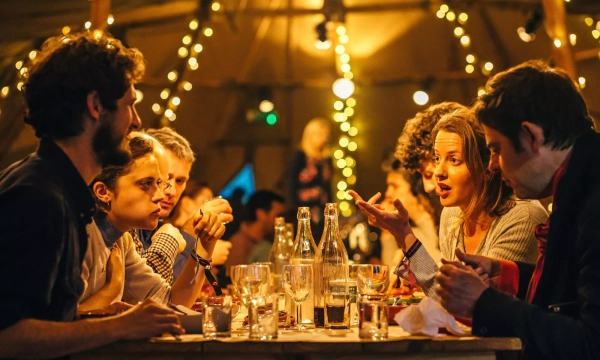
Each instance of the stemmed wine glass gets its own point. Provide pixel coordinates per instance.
(298, 283)
(251, 280)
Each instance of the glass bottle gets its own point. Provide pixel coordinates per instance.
(289, 234)
(303, 252)
(279, 256)
(332, 263)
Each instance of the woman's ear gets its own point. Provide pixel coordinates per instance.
(102, 192)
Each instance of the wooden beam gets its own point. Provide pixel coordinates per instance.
(556, 27)
(100, 9)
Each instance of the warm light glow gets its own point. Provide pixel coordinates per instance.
(557, 43)
(458, 31)
(165, 94)
(66, 30)
(347, 172)
(338, 105)
(198, 48)
(193, 24)
(451, 16)
(187, 40)
(352, 180)
(4, 91)
(340, 117)
(470, 58)
(347, 213)
(98, 33)
(353, 131)
(20, 85)
(345, 126)
(19, 65)
(488, 66)
(216, 6)
(192, 61)
(186, 85)
(176, 101)
(573, 39)
(345, 67)
(344, 39)
(172, 117)
(420, 97)
(343, 88)
(463, 17)
(440, 14)
(194, 67)
(344, 206)
(172, 76)
(348, 196)
(208, 32)
(23, 71)
(349, 111)
(341, 163)
(156, 108)
(350, 162)
(344, 141)
(340, 49)
(88, 24)
(469, 69)
(581, 81)
(110, 20)
(322, 45)
(342, 185)
(595, 33)
(341, 194)
(351, 102)
(139, 96)
(481, 91)
(465, 40)
(589, 21)
(266, 106)
(348, 75)
(182, 52)
(341, 30)
(169, 113)
(352, 146)
(523, 35)
(338, 154)
(444, 8)
(345, 58)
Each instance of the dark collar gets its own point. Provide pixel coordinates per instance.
(76, 188)
(110, 234)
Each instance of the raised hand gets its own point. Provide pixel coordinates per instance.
(175, 233)
(209, 229)
(148, 319)
(221, 207)
(396, 222)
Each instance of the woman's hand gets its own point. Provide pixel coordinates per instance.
(396, 222)
(209, 229)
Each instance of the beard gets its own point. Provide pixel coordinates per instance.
(107, 145)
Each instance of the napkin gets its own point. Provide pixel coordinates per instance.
(427, 318)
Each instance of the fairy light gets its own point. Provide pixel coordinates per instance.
(88, 24)
(110, 20)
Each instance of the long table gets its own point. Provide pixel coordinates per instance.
(313, 345)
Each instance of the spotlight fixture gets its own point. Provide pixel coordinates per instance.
(322, 42)
(527, 32)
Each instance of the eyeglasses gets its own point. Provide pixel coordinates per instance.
(166, 186)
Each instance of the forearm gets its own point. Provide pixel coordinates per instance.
(102, 298)
(422, 266)
(188, 285)
(160, 256)
(30, 338)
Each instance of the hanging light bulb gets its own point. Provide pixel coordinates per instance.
(343, 88)
(420, 97)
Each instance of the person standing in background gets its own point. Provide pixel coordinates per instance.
(309, 176)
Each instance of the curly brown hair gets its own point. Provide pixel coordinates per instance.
(67, 70)
(415, 144)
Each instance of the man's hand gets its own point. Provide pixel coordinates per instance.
(148, 319)
(209, 229)
(486, 267)
(221, 252)
(175, 233)
(220, 207)
(459, 286)
(396, 222)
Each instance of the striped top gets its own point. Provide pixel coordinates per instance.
(510, 237)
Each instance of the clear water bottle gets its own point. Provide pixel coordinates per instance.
(303, 252)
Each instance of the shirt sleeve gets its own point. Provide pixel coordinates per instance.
(32, 241)
(160, 256)
(418, 262)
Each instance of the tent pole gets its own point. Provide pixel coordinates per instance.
(555, 16)
(100, 9)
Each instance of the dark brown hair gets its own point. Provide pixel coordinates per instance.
(491, 196)
(66, 70)
(415, 144)
(534, 92)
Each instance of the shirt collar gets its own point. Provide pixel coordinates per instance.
(76, 188)
(110, 234)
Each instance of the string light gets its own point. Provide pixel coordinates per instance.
(110, 20)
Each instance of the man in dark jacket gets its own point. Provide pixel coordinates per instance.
(542, 140)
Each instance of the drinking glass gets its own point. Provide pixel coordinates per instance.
(216, 316)
(251, 280)
(373, 280)
(216, 198)
(263, 317)
(298, 283)
(373, 322)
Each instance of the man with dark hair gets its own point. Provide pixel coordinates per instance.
(80, 100)
(256, 231)
(415, 145)
(542, 141)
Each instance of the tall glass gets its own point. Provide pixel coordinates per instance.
(251, 280)
(298, 283)
(373, 280)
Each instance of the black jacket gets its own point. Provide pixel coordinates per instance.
(563, 321)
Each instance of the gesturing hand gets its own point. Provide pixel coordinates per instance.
(396, 222)
(221, 207)
(149, 319)
(487, 268)
(459, 286)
